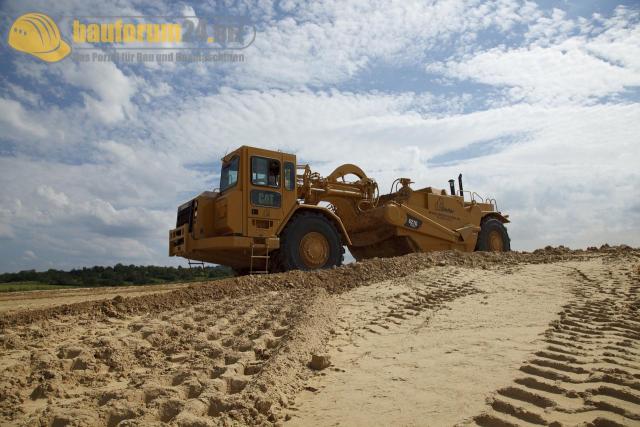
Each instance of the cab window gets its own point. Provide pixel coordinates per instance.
(265, 172)
(229, 174)
(289, 176)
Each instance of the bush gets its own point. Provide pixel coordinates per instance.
(118, 275)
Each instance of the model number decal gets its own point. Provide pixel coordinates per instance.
(412, 222)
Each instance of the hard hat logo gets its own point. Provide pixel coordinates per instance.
(38, 35)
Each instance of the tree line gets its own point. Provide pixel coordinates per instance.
(118, 275)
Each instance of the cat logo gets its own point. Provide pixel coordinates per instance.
(38, 35)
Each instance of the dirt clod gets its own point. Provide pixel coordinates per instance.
(320, 361)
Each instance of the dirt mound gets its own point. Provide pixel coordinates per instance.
(334, 281)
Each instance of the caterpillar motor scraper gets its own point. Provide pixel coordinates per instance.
(271, 214)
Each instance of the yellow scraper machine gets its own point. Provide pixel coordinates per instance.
(271, 214)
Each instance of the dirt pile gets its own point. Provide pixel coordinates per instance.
(334, 281)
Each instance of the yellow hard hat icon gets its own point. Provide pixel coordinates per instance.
(38, 35)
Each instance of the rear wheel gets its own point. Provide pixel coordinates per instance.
(493, 237)
(310, 241)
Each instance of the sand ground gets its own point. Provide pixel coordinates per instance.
(406, 360)
(550, 338)
(16, 301)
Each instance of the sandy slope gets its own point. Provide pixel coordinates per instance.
(427, 339)
(407, 359)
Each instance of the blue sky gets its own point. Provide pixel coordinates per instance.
(535, 103)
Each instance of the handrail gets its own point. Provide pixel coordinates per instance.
(473, 195)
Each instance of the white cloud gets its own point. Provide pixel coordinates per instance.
(107, 91)
(188, 11)
(95, 214)
(23, 95)
(58, 200)
(551, 75)
(555, 74)
(54, 209)
(552, 28)
(329, 42)
(15, 118)
(555, 66)
(619, 43)
(79, 7)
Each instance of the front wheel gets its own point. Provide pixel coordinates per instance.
(493, 237)
(310, 241)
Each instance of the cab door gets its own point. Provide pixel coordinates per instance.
(228, 206)
(265, 195)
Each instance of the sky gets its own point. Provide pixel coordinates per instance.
(536, 104)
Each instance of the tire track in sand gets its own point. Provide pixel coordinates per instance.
(589, 369)
(427, 350)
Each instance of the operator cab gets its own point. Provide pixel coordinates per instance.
(257, 189)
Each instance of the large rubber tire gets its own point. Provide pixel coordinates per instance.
(493, 237)
(309, 225)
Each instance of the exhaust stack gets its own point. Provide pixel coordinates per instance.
(452, 187)
(460, 185)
